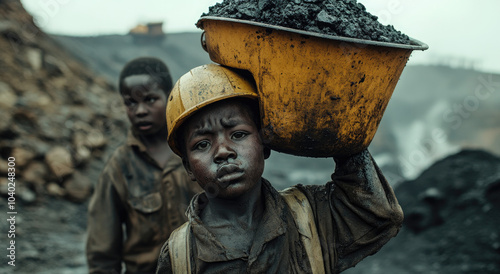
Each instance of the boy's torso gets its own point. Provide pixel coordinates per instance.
(277, 246)
(153, 199)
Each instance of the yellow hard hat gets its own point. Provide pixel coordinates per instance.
(200, 87)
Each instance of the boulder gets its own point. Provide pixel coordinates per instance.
(54, 67)
(3, 166)
(25, 194)
(6, 120)
(8, 98)
(35, 173)
(78, 187)
(55, 190)
(4, 186)
(95, 139)
(22, 156)
(59, 161)
(35, 58)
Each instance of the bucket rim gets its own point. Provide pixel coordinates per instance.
(416, 44)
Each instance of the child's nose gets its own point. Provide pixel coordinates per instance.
(141, 110)
(223, 153)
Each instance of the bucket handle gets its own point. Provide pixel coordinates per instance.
(203, 41)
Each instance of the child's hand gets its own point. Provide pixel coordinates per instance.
(341, 160)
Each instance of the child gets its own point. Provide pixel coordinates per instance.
(241, 224)
(143, 186)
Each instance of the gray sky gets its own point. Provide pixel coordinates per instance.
(460, 33)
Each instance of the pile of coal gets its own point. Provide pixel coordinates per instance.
(345, 18)
(452, 216)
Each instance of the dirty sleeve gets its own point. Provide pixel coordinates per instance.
(356, 213)
(105, 235)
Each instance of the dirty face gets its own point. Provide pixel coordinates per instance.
(145, 103)
(223, 149)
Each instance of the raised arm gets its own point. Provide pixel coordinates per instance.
(356, 213)
(364, 208)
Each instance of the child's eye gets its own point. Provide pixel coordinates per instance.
(201, 145)
(129, 103)
(239, 135)
(151, 100)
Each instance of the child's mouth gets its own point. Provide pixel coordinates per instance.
(225, 180)
(228, 173)
(143, 126)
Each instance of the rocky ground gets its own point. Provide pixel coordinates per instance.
(57, 116)
(60, 121)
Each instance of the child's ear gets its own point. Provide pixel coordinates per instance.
(267, 152)
(186, 165)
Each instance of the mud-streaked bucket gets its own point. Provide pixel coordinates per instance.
(320, 95)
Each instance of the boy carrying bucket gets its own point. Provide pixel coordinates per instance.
(241, 224)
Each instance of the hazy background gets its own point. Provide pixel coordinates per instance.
(459, 33)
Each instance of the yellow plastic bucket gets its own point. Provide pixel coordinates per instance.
(320, 95)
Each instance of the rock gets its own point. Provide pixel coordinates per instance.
(10, 31)
(432, 195)
(21, 191)
(264, 4)
(33, 98)
(22, 156)
(53, 67)
(78, 187)
(8, 98)
(3, 166)
(35, 173)
(6, 120)
(25, 194)
(95, 139)
(82, 155)
(52, 127)
(4, 186)
(6, 26)
(323, 18)
(39, 147)
(79, 139)
(24, 121)
(60, 162)
(35, 58)
(55, 190)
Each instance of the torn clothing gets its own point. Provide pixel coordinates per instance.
(135, 206)
(355, 215)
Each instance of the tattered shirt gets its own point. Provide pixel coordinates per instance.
(135, 207)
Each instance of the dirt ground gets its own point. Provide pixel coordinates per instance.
(49, 238)
(50, 233)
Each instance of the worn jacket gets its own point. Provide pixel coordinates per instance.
(355, 214)
(135, 207)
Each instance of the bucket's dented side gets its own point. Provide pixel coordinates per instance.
(318, 97)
